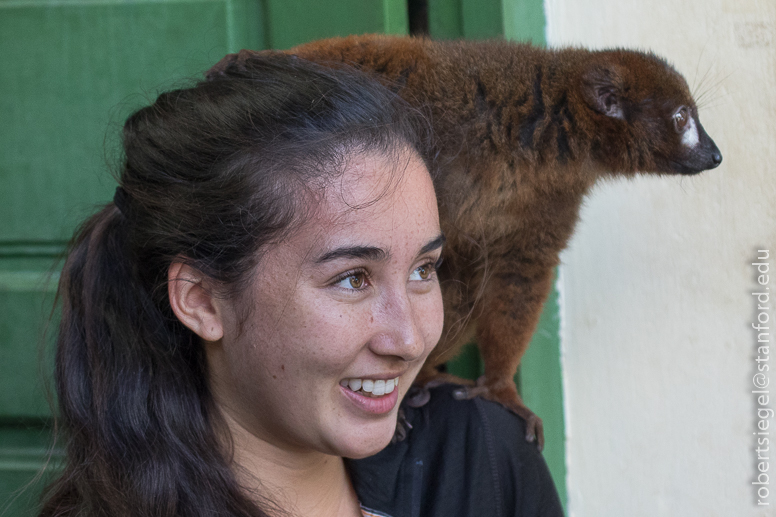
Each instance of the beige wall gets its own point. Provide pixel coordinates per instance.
(658, 352)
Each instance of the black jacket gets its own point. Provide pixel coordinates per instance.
(461, 458)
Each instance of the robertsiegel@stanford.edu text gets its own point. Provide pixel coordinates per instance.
(761, 378)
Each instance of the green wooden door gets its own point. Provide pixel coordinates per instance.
(70, 73)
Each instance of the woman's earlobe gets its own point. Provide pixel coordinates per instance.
(193, 302)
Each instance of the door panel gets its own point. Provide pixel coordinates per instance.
(69, 74)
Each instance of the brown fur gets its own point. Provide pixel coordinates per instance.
(523, 134)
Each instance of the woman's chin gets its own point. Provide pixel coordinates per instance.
(367, 441)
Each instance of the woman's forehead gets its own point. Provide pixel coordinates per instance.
(376, 202)
(367, 178)
(369, 184)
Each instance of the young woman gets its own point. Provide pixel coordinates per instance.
(240, 327)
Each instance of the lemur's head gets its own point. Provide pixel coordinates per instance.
(642, 115)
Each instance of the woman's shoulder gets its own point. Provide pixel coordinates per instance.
(460, 457)
(475, 419)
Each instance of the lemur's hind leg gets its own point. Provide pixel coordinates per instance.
(509, 316)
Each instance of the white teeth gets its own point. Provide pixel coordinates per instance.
(379, 388)
(374, 388)
(367, 385)
(389, 386)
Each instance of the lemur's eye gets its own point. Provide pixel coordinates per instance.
(681, 118)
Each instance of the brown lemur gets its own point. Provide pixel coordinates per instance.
(522, 134)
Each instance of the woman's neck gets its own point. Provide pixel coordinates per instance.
(300, 482)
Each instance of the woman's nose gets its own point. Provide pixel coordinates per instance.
(397, 329)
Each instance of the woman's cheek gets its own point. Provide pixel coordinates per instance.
(433, 318)
(332, 332)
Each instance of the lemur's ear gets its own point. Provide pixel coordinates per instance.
(603, 90)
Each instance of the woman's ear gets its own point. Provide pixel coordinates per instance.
(193, 303)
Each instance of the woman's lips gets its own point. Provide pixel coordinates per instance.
(376, 405)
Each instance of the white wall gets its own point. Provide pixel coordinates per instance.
(658, 353)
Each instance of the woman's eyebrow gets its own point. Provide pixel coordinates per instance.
(373, 253)
(370, 253)
(437, 243)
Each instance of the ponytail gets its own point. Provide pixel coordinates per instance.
(132, 396)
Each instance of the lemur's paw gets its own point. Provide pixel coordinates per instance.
(505, 393)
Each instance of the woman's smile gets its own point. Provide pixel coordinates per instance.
(371, 386)
(381, 399)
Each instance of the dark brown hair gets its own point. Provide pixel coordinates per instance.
(211, 175)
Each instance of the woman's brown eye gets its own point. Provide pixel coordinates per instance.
(422, 273)
(680, 119)
(356, 280)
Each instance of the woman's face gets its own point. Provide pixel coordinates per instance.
(350, 298)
